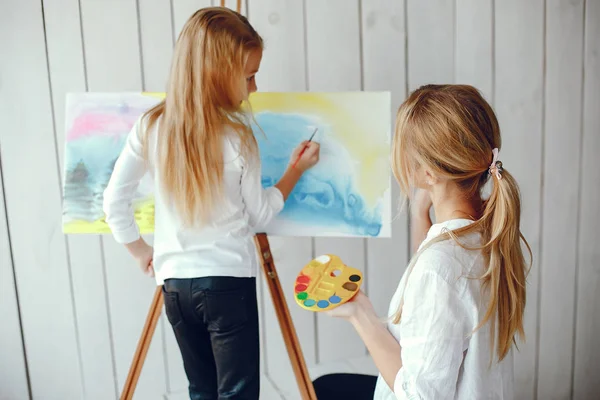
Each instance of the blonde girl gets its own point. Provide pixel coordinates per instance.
(460, 304)
(202, 154)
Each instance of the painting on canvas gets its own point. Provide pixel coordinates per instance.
(97, 125)
(348, 191)
(346, 194)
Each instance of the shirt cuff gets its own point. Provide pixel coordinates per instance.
(402, 389)
(276, 199)
(128, 235)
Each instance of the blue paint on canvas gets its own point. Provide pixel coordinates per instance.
(325, 195)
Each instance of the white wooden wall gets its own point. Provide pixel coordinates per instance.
(72, 307)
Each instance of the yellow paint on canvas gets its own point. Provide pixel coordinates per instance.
(155, 94)
(366, 138)
(144, 216)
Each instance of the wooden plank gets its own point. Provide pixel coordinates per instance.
(156, 40)
(112, 55)
(280, 24)
(65, 60)
(363, 365)
(289, 256)
(38, 245)
(563, 95)
(182, 10)
(233, 4)
(114, 64)
(334, 64)
(384, 68)
(13, 375)
(262, 295)
(587, 347)
(430, 42)
(268, 390)
(66, 67)
(283, 69)
(474, 46)
(519, 52)
(284, 317)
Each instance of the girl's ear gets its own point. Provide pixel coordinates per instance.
(430, 178)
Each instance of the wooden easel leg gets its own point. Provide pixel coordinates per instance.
(143, 344)
(288, 331)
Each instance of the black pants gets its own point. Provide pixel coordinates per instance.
(345, 386)
(215, 320)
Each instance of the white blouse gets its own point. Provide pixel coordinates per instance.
(225, 246)
(441, 356)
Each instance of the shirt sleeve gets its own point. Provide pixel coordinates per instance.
(433, 332)
(262, 205)
(120, 191)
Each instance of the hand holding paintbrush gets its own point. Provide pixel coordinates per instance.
(304, 157)
(307, 152)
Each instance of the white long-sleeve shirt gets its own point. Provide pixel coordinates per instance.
(441, 356)
(225, 247)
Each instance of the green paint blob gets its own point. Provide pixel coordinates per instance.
(302, 296)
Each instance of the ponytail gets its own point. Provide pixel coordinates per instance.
(505, 278)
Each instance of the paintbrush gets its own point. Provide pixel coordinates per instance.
(304, 149)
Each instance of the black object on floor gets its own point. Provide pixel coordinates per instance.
(345, 386)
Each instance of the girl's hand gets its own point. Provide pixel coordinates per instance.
(143, 253)
(145, 262)
(359, 303)
(307, 159)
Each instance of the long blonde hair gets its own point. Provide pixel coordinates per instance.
(452, 131)
(205, 86)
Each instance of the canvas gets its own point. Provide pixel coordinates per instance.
(346, 194)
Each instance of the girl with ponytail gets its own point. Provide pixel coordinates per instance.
(459, 306)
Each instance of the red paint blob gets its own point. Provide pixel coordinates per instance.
(303, 279)
(301, 287)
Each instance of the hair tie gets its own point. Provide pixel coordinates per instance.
(496, 165)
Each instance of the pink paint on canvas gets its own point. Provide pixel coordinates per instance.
(101, 124)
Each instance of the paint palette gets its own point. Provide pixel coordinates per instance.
(326, 283)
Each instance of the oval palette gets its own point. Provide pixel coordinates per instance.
(326, 283)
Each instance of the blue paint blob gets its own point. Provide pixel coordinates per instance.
(325, 195)
(323, 304)
(334, 299)
(309, 302)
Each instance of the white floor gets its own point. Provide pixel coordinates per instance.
(270, 390)
(267, 392)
